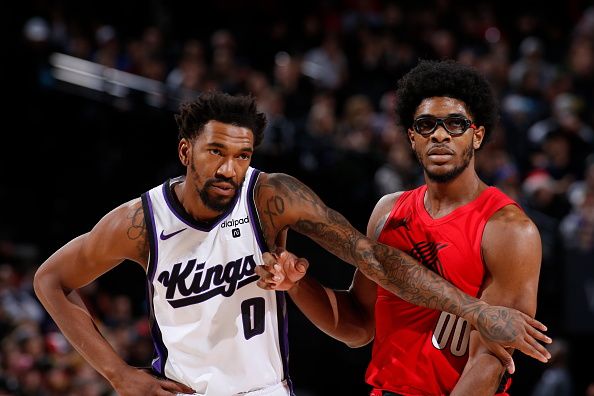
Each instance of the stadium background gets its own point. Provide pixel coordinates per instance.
(324, 72)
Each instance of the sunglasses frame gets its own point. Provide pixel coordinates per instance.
(441, 121)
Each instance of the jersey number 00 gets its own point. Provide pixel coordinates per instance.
(459, 336)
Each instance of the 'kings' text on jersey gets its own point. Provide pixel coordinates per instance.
(216, 280)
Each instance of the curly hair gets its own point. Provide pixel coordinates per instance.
(235, 110)
(451, 79)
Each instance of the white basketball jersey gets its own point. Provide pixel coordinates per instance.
(213, 328)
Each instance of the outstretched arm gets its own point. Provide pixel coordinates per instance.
(119, 235)
(347, 315)
(512, 253)
(283, 202)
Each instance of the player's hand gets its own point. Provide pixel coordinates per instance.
(503, 327)
(135, 381)
(281, 270)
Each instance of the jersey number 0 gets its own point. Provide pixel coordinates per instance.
(252, 316)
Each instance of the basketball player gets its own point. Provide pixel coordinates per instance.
(199, 239)
(461, 229)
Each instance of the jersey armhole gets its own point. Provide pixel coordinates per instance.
(253, 211)
(149, 221)
(395, 207)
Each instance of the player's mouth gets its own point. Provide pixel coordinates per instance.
(440, 154)
(226, 189)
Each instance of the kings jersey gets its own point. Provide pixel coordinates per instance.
(213, 328)
(420, 351)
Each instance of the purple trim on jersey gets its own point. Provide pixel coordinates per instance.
(149, 220)
(183, 216)
(254, 218)
(283, 336)
(160, 348)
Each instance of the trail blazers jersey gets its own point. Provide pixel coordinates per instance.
(421, 351)
(213, 328)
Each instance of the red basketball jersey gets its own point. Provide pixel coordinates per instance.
(420, 351)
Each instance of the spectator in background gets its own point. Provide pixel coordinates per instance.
(109, 52)
(531, 72)
(565, 139)
(542, 195)
(398, 173)
(358, 126)
(577, 227)
(327, 64)
(556, 379)
(186, 79)
(567, 117)
(17, 304)
(578, 190)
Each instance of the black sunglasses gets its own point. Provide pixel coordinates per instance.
(454, 125)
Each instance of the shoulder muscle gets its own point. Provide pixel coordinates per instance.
(121, 234)
(512, 251)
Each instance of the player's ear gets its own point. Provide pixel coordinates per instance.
(183, 150)
(477, 137)
(411, 137)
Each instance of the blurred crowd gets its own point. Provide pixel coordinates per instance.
(325, 73)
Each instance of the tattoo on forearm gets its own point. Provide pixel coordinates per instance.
(400, 274)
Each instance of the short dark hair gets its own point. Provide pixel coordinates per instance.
(237, 110)
(451, 79)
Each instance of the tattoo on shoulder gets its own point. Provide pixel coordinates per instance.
(137, 229)
(291, 188)
(275, 195)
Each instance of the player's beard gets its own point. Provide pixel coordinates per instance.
(220, 204)
(453, 173)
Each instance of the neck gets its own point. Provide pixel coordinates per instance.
(443, 198)
(192, 204)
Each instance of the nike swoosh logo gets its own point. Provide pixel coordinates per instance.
(164, 236)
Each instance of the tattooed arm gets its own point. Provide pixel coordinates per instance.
(120, 235)
(284, 202)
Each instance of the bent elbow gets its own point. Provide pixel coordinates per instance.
(364, 337)
(361, 342)
(37, 283)
(40, 283)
